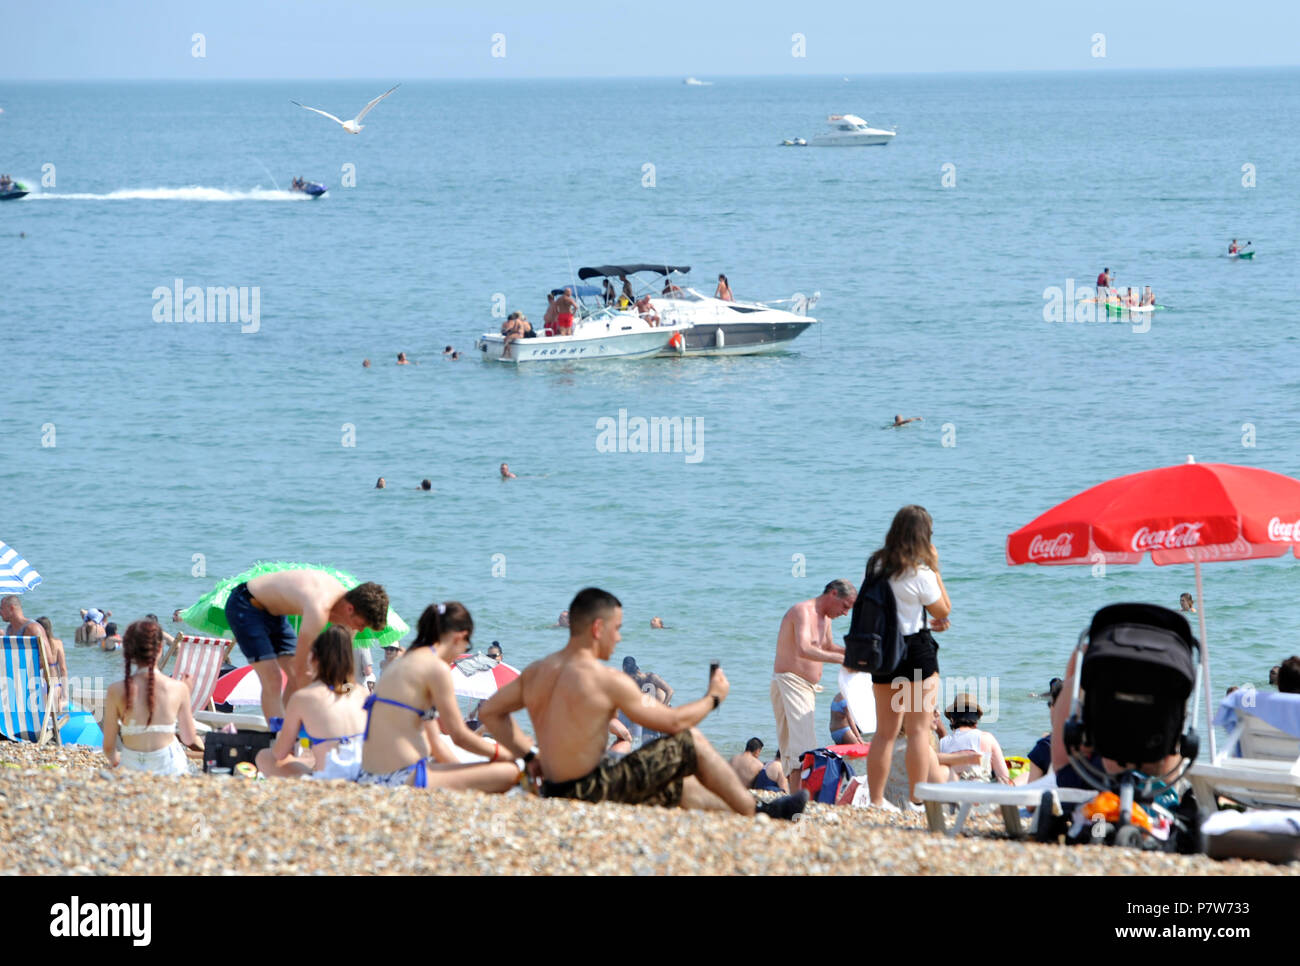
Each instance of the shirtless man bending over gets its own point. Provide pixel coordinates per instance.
(803, 645)
(259, 611)
(571, 697)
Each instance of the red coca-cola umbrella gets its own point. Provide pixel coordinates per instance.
(1178, 514)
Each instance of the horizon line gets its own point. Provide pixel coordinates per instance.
(677, 76)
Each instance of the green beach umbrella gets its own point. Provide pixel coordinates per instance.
(208, 613)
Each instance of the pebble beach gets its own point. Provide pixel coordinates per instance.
(63, 812)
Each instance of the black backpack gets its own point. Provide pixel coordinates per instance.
(874, 643)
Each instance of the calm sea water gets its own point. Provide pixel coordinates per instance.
(174, 440)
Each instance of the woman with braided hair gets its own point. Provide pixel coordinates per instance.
(144, 711)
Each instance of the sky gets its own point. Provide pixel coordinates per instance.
(406, 40)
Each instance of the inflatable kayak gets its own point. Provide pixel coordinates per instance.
(14, 192)
(313, 188)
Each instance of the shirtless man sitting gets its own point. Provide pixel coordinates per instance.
(749, 768)
(20, 625)
(258, 612)
(571, 696)
(647, 311)
(803, 645)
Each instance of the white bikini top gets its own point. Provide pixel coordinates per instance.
(135, 730)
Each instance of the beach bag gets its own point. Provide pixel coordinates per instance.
(823, 774)
(874, 643)
(221, 750)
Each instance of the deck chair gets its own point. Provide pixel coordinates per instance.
(1264, 728)
(201, 658)
(27, 697)
(1009, 800)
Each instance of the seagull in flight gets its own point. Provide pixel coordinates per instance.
(353, 126)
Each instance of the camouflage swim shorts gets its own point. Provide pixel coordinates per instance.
(651, 775)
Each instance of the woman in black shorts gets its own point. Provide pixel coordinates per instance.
(907, 696)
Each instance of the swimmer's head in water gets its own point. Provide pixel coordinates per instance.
(365, 363)
(426, 485)
(381, 483)
(401, 357)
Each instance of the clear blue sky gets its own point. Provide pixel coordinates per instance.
(406, 40)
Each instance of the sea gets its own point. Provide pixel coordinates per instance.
(144, 459)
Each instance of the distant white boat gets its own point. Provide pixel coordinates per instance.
(696, 82)
(849, 130)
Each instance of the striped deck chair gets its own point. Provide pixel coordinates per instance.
(26, 696)
(201, 658)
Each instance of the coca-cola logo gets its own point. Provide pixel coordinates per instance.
(1179, 535)
(1056, 548)
(1286, 532)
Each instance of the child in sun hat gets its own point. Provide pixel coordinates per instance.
(964, 716)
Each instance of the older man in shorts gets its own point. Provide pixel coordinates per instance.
(803, 645)
(571, 697)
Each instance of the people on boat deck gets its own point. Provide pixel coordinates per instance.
(1234, 247)
(328, 716)
(146, 709)
(647, 311)
(414, 706)
(566, 309)
(6, 182)
(1148, 296)
(515, 327)
(723, 290)
(627, 291)
(669, 288)
(1103, 281)
(608, 292)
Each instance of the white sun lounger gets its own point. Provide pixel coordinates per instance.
(1269, 774)
(1009, 799)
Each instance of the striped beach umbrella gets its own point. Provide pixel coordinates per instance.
(16, 574)
(476, 676)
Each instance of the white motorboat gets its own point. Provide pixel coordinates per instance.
(599, 332)
(849, 130)
(712, 326)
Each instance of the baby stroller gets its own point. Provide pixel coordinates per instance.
(1137, 673)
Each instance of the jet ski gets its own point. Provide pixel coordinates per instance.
(13, 191)
(313, 188)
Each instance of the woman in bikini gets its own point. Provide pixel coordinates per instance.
(404, 744)
(146, 709)
(329, 714)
